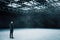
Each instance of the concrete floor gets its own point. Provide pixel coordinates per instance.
(31, 34)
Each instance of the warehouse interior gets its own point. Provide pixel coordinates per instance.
(30, 13)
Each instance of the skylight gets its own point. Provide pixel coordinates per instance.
(14, 5)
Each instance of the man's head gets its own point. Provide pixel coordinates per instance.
(11, 21)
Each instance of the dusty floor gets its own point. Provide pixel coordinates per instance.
(31, 34)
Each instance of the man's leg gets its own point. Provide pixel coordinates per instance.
(11, 34)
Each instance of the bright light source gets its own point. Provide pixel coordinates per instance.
(25, 8)
(55, 4)
(26, 3)
(31, 2)
(58, 4)
(14, 5)
(56, 0)
(42, 7)
(35, 3)
(37, 7)
(52, 0)
(16, 0)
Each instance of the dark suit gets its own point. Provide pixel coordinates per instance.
(11, 30)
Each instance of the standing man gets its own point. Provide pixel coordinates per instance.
(11, 25)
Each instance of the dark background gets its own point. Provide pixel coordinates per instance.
(47, 18)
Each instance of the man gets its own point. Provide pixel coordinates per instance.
(11, 29)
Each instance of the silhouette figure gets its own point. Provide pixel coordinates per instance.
(11, 29)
